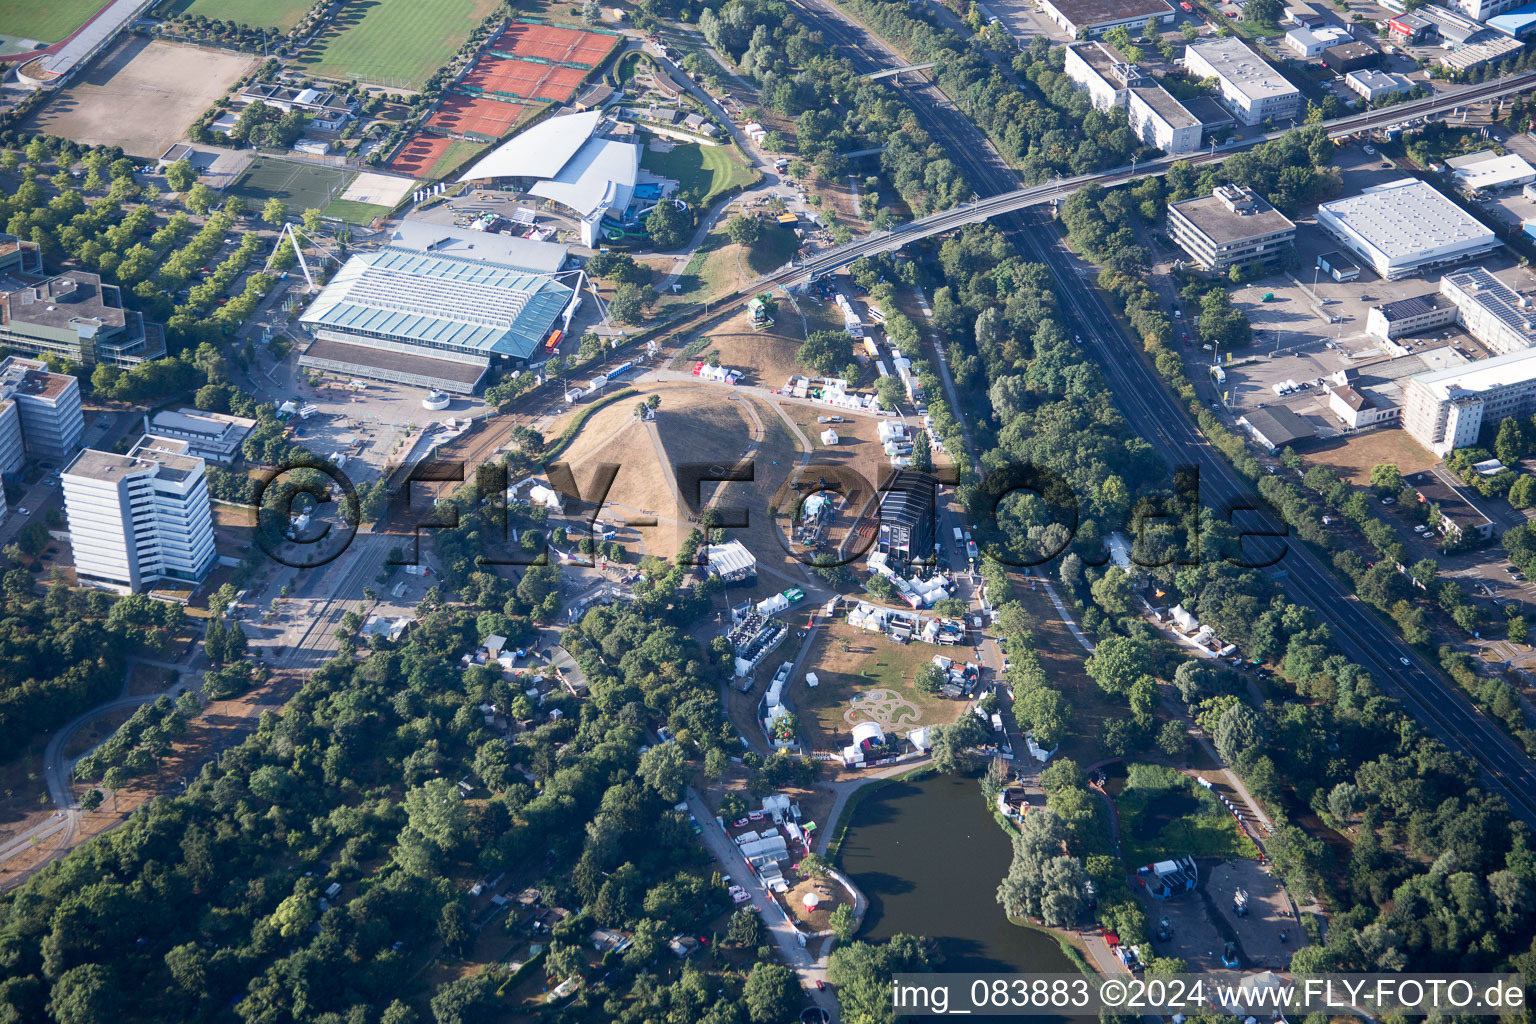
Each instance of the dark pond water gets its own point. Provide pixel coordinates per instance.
(929, 856)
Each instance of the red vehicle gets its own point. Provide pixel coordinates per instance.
(1187, 8)
(821, 986)
(553, 342)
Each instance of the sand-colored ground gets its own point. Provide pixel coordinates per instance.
(1353, 457)
(142, 96)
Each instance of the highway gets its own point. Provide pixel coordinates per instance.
(1158, 416)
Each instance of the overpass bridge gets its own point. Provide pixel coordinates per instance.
(1019, 199)
(892, 72)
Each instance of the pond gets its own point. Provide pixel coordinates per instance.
(929, 856)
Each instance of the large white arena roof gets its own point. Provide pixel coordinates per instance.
(539, 152)
(602, 174)
(507, 250)
(1403, 224)
(444, 302)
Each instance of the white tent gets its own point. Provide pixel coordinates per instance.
(868, 731)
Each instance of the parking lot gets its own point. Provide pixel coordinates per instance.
(1199, 924)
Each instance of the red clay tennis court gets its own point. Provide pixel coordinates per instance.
(420, 154)
(547, 42)
(523, 78)
(491, 118)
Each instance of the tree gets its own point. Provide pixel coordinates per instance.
(115, 779)
(665, 769)
(1509, 444)
(1237, 730)
(1118, 662)
(745, 930)
(841, 922)
(180, 176)
(744, 230)
(1344, 801)
(591, 13)
(313, 220)
(1042, 881)
(465, 1000)
(929, 677)
(1263, 12)
(1519, 630)
(436, 813)
(771, 993)
(200, 199)
(454, 927)
(668, 226)
(274, 211)
(91, 799)
(87, 994)
(627, 305)
(1173, 740)
(950, 743)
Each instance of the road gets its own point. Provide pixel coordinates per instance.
(1158, 416)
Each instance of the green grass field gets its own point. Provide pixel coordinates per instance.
(47, 21)
(278, 14)
(705, 170)
(1164, 814)
(361, 214)
(454, 158)
(300, 186)
(393, 43)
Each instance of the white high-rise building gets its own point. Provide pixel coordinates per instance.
(140, 518)
(1445, 409)
(52, 421)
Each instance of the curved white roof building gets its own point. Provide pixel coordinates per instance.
(564, 161)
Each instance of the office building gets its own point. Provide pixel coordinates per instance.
(428, 319)
(1482, 10)
(1445, 409)
(210, 436)
(139, 519)
(907, 519)
(80, 318)
(1491, 311)
(1233, 225)
(1160, 120)
(48, 409)
(1374, 85)
(1250, 88)
(1404, 227)
(1095, 17)
(1410, 29)
(1488, 171)
(19, 257)
(1408, 317)
(1451, 27)
(1105, 76)
(328, 111)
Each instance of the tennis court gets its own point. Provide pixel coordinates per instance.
(547, 42)
(524, 79)
(475, 114)
(300, 186)
(419, 155)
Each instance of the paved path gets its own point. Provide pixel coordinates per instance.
(1066, 616)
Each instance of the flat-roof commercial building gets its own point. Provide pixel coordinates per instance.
(1105, 76)
(80, 318)
(1445, 409)
(1519, 22)
(1482, 10)
(1095, 17)
(1404, 227)
(1249, 87)
(328, 111)
(1474, 55)
(561, 159)
(1489, 170)
(503, 249)
(1374, 85)
(1491, 311)
(429, 320)
(1407, 317)
(1409, 29)
(1160, 120)
(1338, 266)
(1233, 225)
(1351, 57)
(1303, 14)
(18, 256)
(1307, 41)
(141, 518)
(211, 436)
(48, 416)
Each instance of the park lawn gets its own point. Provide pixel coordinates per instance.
(1164, 814)
(393, 43)
(361, 214)
(705, 170)
(46, 21)
(848, 660)
(279, 14)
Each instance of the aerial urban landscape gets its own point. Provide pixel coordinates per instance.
(757, 511)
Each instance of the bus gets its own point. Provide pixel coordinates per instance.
(553, 342)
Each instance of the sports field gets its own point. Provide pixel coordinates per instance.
(482, 116)
(524, 79)
(430, 157)
(46, 21)
(392, 43)
(278, 14)
(550, 42)
(300, 186)
(707, 170)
